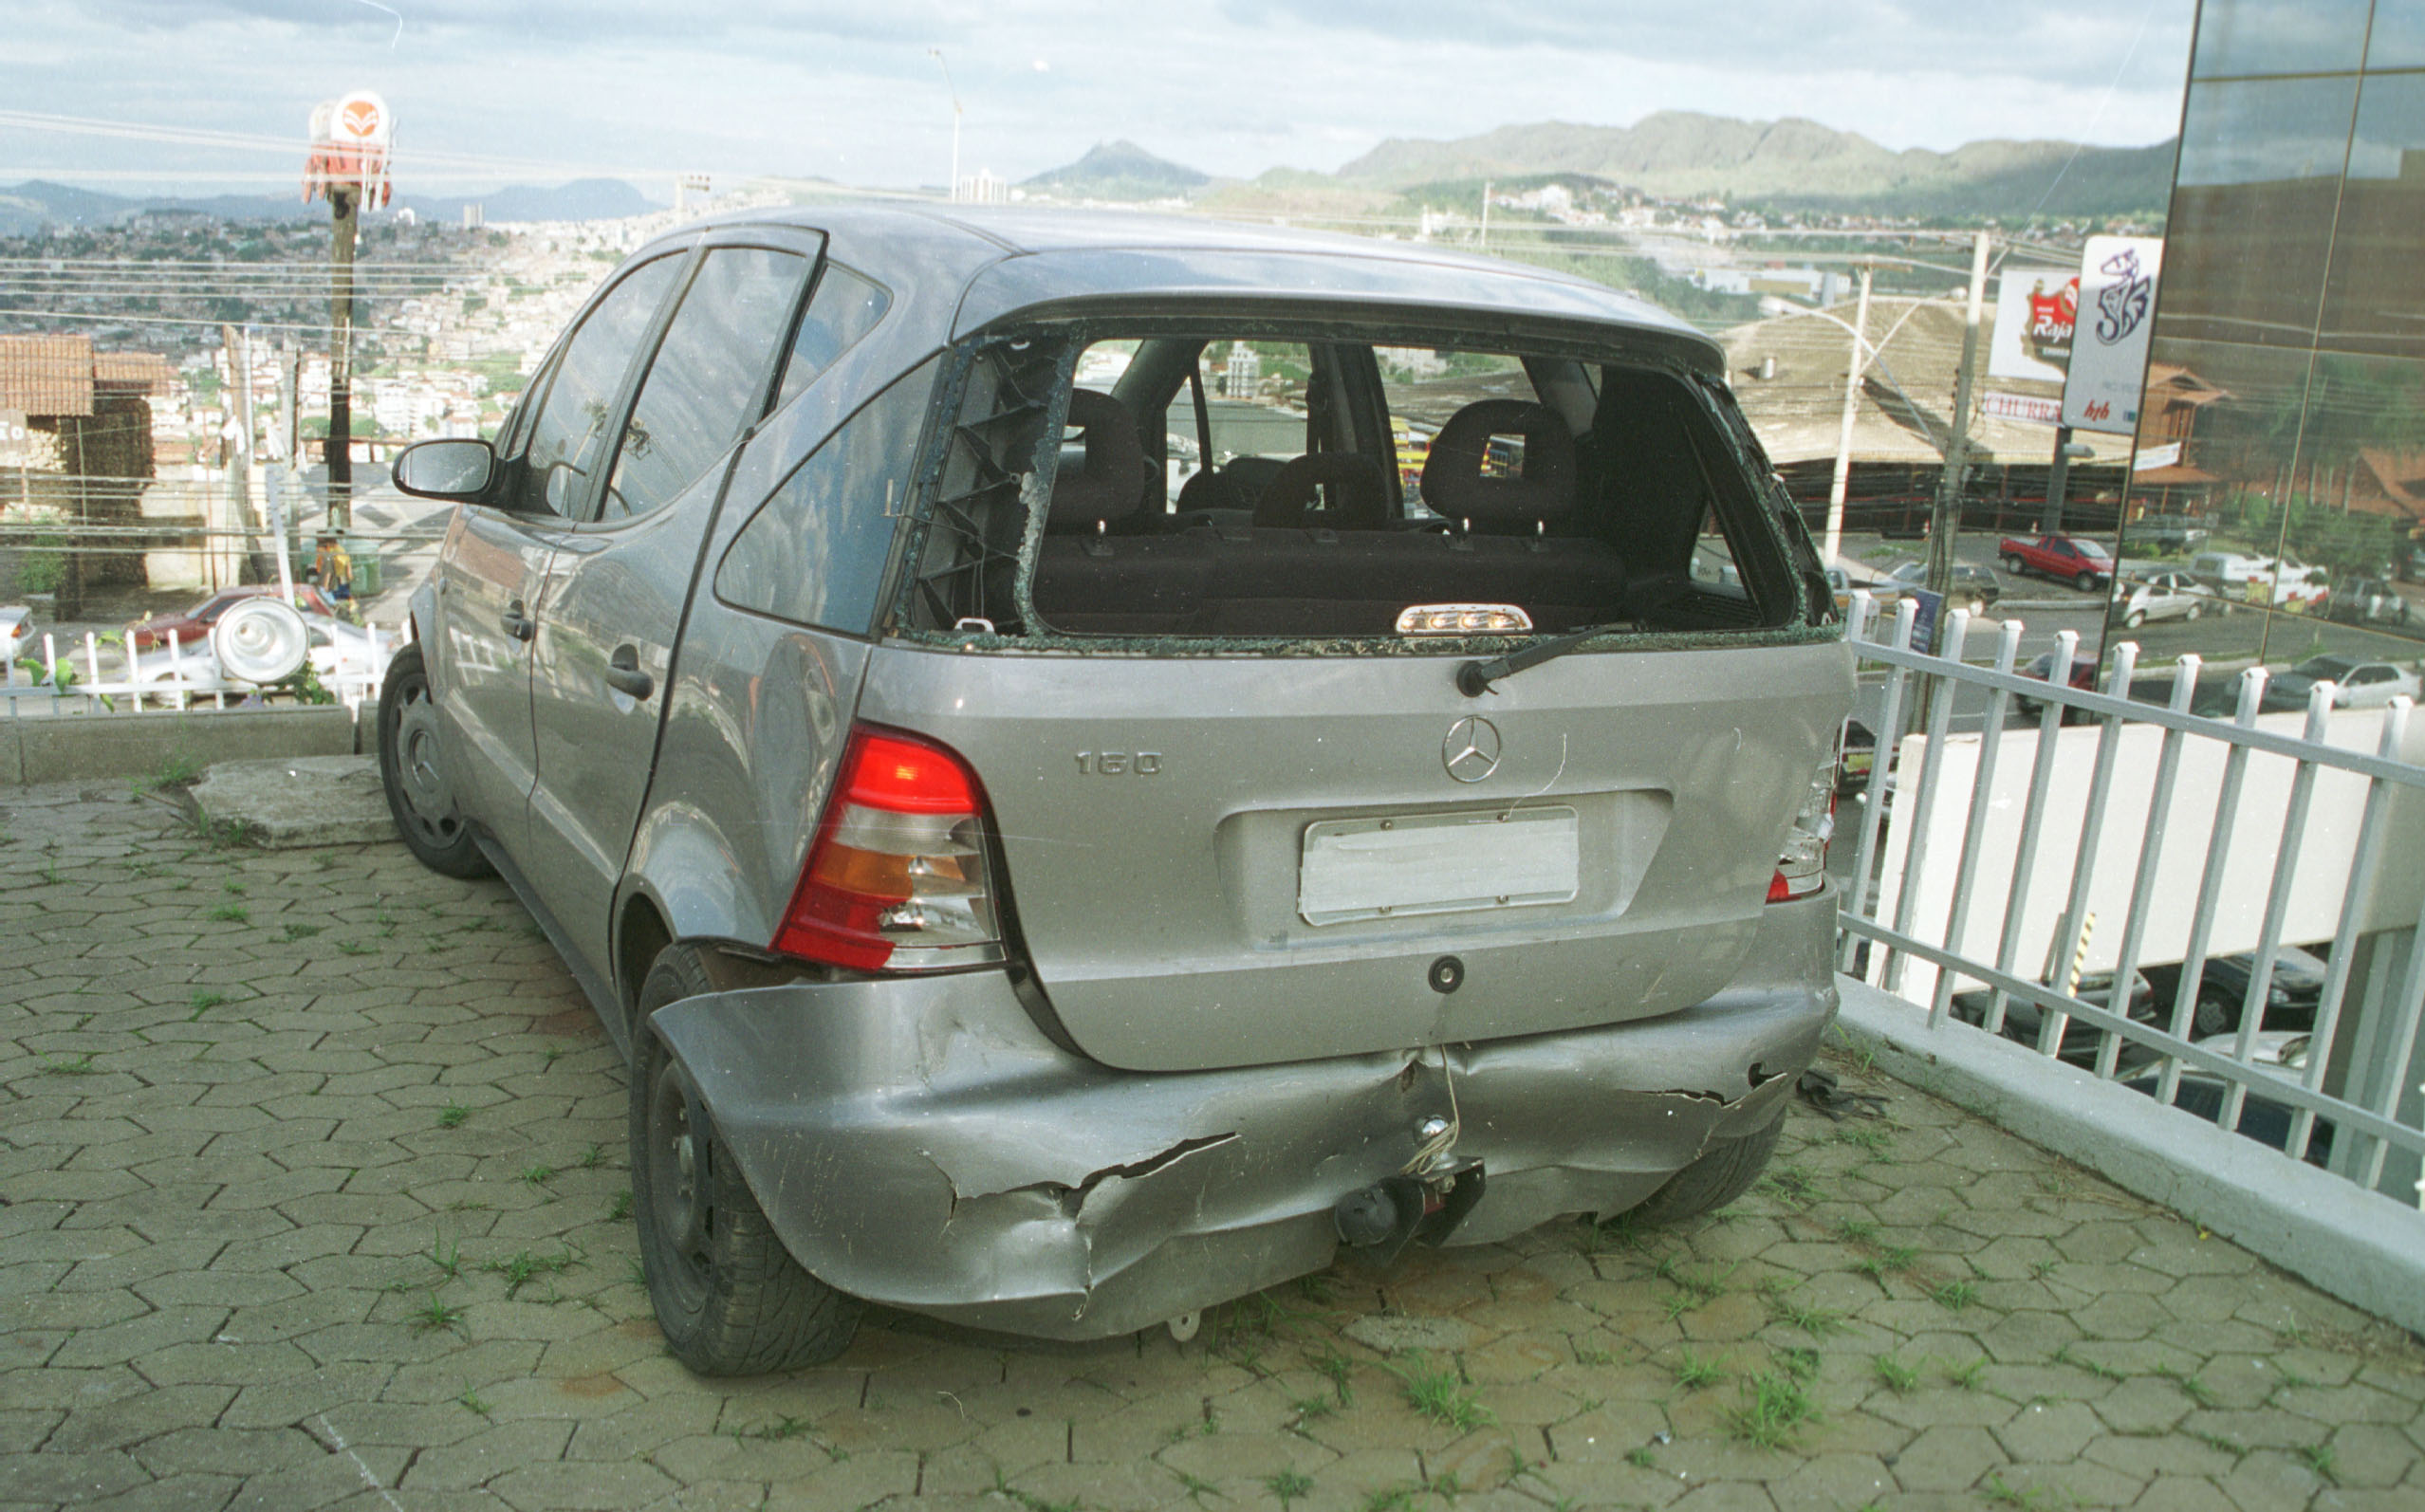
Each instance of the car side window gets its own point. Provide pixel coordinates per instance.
(845, 308)
(814, 553)
(569, 439)
(709, 378)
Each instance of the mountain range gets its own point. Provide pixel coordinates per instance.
(1793, 162)
(26, 208)
(1119, 169)
(1786, 164)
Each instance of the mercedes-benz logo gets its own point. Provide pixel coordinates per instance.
(1471, 751)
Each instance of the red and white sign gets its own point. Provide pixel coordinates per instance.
(2035, 314)
(2025, 407)
(350, 136)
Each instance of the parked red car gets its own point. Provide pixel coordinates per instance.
(195, 624)
(2075, 559)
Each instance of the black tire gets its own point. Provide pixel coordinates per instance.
(418, 796)
(1724, 1172)
(2013, 565)
(2194, 610)
(729, 1298)
(2135, 619)
(2213, 1015)
(2085, 581)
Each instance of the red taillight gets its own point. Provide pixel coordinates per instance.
(898, 877)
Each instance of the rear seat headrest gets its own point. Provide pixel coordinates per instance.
(1358, 495)
(1107, 486)
(1455, 485)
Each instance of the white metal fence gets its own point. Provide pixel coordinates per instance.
(2221, 845)
(114, 676)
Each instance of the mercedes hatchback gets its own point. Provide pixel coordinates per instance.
(1094, 762)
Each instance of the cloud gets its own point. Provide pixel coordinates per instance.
(808, 88)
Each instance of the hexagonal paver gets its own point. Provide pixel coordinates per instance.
(315, 1206)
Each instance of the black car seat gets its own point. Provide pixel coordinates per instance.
(1350, 489)
(1456, 483)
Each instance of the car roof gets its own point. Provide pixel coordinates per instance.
(1025, 259)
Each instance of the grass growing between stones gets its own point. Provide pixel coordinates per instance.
(1772, 1412)
(1692, 1372)
(1441, 1394)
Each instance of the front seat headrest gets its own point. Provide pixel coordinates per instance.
(1358, 499)
(1455, 484)
(1106, 484)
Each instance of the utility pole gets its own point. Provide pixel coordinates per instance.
(257, 566)
(1948, 521)
(343, 200)
(1837, 489)
(1486, 214)
(2058, 482)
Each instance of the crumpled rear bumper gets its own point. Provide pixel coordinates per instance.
(918, 1142)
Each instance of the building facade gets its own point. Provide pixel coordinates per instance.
(2294, 291)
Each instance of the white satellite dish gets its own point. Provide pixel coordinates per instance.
(260, 640)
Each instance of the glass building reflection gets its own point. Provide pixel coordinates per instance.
(2289, 347)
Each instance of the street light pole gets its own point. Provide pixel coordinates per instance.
(952, 191)
(343, 221)
(1948, 521)
(1837, 489)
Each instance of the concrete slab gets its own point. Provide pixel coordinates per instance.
(298, 800)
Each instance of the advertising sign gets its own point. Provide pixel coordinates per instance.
(2034, 308)
(2116, 307)
(350, 136)
(2029, 408)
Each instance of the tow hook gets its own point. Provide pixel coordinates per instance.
(1376, 1223)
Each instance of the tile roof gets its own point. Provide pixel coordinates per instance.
(131, 373)
(46, 375)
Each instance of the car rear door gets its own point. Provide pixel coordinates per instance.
(1182, 837)
(620, 581)
(494, 565)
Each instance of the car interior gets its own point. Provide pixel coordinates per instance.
(1207, 486)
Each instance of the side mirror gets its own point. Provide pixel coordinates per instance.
(452, 468)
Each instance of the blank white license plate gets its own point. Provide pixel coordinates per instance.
(1438, 863)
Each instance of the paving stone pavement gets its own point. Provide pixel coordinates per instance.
(311, 1194)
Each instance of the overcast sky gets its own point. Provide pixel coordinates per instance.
(849, 92)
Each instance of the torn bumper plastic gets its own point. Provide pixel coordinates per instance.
(918, 1142)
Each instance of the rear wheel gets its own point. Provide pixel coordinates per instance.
(418, 794)
(1725, 1171)
(730, 1298)
(2136, 618)
(2196, 610)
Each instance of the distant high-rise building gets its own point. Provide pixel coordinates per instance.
(1243, 372)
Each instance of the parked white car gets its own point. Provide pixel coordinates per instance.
(2168, 595)
(2357, 683)
(338, 651)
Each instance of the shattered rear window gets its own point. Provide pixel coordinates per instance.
(1251, 485)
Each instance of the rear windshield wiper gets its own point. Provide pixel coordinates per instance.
(1474, 678)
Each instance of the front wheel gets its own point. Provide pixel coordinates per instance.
(729, 1298)
(2012, 564)
(1724, 1172)
(418, 794)
(2085, 581)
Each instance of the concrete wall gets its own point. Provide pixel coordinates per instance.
(58, 747)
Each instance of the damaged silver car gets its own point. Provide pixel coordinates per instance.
(1093, 763)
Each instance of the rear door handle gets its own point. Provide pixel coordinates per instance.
(623, 674)
(517, 623)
